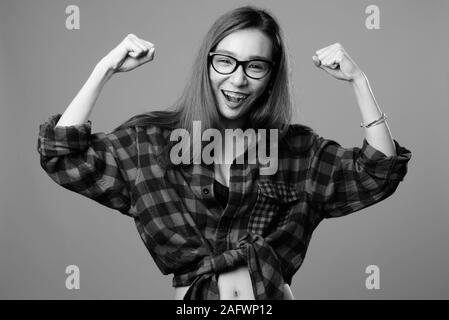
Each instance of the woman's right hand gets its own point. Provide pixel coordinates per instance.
(129, 54)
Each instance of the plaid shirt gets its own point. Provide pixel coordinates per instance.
(267, 223)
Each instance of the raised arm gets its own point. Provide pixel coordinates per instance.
(378, 135)
(344, 180)
(128, 55)
(100, 166)
(335, 60)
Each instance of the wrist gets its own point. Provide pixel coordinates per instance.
(359, 78)
(104, 70)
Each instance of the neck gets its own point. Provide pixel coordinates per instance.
(240, 123)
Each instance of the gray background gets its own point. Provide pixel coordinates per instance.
(44, 228)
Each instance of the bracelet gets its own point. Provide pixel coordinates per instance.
(382, 119)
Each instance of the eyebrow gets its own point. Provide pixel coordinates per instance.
(234, 55)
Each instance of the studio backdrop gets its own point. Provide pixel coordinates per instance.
(49, 48)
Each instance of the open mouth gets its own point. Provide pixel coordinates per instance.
(234, 97)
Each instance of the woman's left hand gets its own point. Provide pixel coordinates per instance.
(335, 60)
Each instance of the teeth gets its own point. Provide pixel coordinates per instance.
(234, 97)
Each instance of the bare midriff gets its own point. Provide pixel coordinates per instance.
(234, 285)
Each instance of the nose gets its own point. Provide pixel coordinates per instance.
(238, 78)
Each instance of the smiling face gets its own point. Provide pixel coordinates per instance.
(235, 92)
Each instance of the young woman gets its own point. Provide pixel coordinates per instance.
(224, 229)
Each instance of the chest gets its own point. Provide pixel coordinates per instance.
(222, 173)
(222, 167)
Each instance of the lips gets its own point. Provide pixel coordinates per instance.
(233, 96)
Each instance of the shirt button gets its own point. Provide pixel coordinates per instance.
(206, 191)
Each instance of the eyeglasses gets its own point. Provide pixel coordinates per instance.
(255, 69)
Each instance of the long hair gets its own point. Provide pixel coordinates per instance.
(272, 110)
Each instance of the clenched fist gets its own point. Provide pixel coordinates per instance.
(131, 53)
(335, 60)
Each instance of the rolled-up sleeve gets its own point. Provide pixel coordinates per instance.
(99, 166)
(345, 180)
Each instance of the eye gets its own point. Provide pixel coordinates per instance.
(258, 66)
(223, 60)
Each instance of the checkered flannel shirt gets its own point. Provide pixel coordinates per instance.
(267, 223)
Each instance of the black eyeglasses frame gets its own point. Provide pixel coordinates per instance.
(238, 63)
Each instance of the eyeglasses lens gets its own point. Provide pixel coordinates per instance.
(226, 65)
